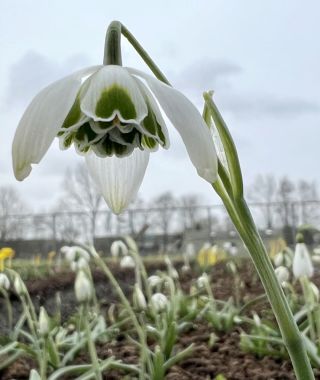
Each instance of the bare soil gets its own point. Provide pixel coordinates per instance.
(224, 357)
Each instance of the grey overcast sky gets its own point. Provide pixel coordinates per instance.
(262, 59)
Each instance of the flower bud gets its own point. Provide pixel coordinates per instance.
(202, 281)
(282, 274)
(4, 281)
(302, 264)
(44, 322)
(83, 288)
(139, 300)
(159, 302)
(19, 286)
(119, 248)
(278, 259)
(127, 262)
(154, 281)
(34, 375)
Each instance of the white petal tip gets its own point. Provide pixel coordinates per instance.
(22, 172)
(209, 175)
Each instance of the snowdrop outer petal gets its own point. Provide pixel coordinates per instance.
(111, 92)
(42, 119)
(189, 123)
(118, 179)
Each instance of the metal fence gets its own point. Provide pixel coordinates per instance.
(210, 222)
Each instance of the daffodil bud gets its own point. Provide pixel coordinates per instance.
(83, 288)
(159, 302)
(4, 281)
(19, 286)
(302, 264)
(44, 322)
(127, 262)
(282, 274)
(118, 248)
(139, 299)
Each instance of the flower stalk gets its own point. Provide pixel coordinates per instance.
(241, 217)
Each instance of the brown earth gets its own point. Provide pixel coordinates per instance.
(224, 357)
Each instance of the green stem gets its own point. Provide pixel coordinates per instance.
(243, 221)
(112, 47)
(44, 361)
(128, 307)
(91, 345)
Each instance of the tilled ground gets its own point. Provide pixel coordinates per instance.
(224, 357)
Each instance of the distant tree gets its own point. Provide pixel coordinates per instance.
(263, 191)
(190, 213)
(285, 197)
(308, 194)
(81, 194)
(11, 208)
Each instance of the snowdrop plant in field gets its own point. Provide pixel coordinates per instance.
(110, 114)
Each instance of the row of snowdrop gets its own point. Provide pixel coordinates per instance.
(158, 311)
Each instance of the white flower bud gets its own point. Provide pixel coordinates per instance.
(302, 264)
(83, 287)
(154, 281)
(119, 248)
(4, 281)
(202, 281)
(127, 262)
(159, 302)
(190, 251)
(34, 375)
(139, 298)
(278, 259)
(43, 322)
(19, 286)
(282, 274)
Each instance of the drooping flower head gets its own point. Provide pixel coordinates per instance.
(110, 114)
(302, 264)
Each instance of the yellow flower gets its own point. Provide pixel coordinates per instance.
(5, 253)
(210, 255)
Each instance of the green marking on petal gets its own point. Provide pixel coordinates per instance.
(115, 98)
(161, 134)
(67, 141)
(85, 133)
(73, 116)
(150, 122)
(148, 142)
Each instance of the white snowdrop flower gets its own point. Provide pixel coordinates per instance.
(233, 250)
(82, 263)
(139, 298)
(154, 281)
(159, 302)
(113, 119)
(4, 281)
(83, 287)
(185, 268)
(173, 273)
(282, 274)
(34, 375)
(190, 251)
(44, 323)
(317, 250)
(278, 259)
(127, 262)
(302, 264)
(202, 281)
(119, 248)
(227, 245)
(19, 286)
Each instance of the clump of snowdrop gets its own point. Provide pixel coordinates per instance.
(77, 257)
(171, 269)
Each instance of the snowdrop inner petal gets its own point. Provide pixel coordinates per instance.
(118, 179)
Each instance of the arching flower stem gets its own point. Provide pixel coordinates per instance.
(229, 187)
